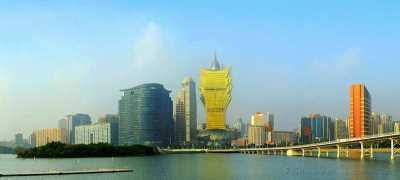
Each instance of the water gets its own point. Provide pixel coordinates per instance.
(210, 166)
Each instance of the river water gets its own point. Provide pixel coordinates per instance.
(209, 166)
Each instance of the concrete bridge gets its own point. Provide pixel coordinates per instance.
(342, 146)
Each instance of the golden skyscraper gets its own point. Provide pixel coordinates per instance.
(215, 89)
(360, 111)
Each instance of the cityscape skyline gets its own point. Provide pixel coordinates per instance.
(311, 79)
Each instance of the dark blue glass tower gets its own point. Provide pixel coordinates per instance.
(146, 116)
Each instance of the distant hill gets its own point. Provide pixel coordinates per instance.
(6, 150)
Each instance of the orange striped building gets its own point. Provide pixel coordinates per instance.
(360, 111)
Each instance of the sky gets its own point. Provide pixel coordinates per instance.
(291, 58)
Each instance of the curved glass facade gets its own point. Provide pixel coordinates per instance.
(146, 116)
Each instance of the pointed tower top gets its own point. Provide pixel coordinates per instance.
(215, 64)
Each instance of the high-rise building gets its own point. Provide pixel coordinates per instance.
(258, 119)
(375, 123)
(48, 135)
(341, 129)
(241, 127)
(316, 128)
(32, 139)
(69, 123)
(96, 133)
(215, 89)
(185, 113)
(387, 124)
(145, 113)
(113, 119)
(19, 140)
(397, 127)
(270, 121)
(256, 133)
(360, 111)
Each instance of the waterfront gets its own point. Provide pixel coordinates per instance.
(210, 166)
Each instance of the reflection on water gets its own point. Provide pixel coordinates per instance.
(212, 166)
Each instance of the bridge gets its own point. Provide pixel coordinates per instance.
(340, 146)
(366, 147)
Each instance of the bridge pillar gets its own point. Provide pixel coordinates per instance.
(347, 152)
(319, 152)
(338, 151)
(327, 153)
(274, 152)
(262, 152)
(392, 149)
(304, 153)
(362, 150)
(372, 151)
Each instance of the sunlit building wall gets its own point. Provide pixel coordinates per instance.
(215, 89)
(256, 135)
(48, 135)
(341, 129)
(360, 111)
(185, 113)
(96, 133)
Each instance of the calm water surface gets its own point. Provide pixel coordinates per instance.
(210, 166)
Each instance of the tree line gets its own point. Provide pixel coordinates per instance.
(60, 150)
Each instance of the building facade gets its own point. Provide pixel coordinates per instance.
(282, 137)
(316, 128)
(48, 135)
(19, 140)
(360, 111)
(341, 131)
(185, 113)
(69, 123)
(96, 133)
(256, 135)
(270, 121)
(397, 127)
(215, 89)
(113, 119)
(145, 113)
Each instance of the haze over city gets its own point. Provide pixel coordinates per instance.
(63, 58)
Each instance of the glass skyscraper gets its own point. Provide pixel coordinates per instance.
(69, 123)
(317, 128)
(145, 113)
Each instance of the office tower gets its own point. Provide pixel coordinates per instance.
(340, 129)
(145, 113)
(375, 123)
(270, 121)
(397, 127)
(256, 132)
(316, 128)
(95, 134)
(19, 140)
(32, 139)
(185, 113)
(69, 123)
(283, 138)
(241, 127)
(360, 111)
(387, 124)
(48, 135)
(113, 119)
(258, 119)
(215, 89)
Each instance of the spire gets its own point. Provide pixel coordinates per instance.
(215, 64)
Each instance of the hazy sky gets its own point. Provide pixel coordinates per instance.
(287, 57)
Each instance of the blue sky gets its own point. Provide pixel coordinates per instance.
(289, 58)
